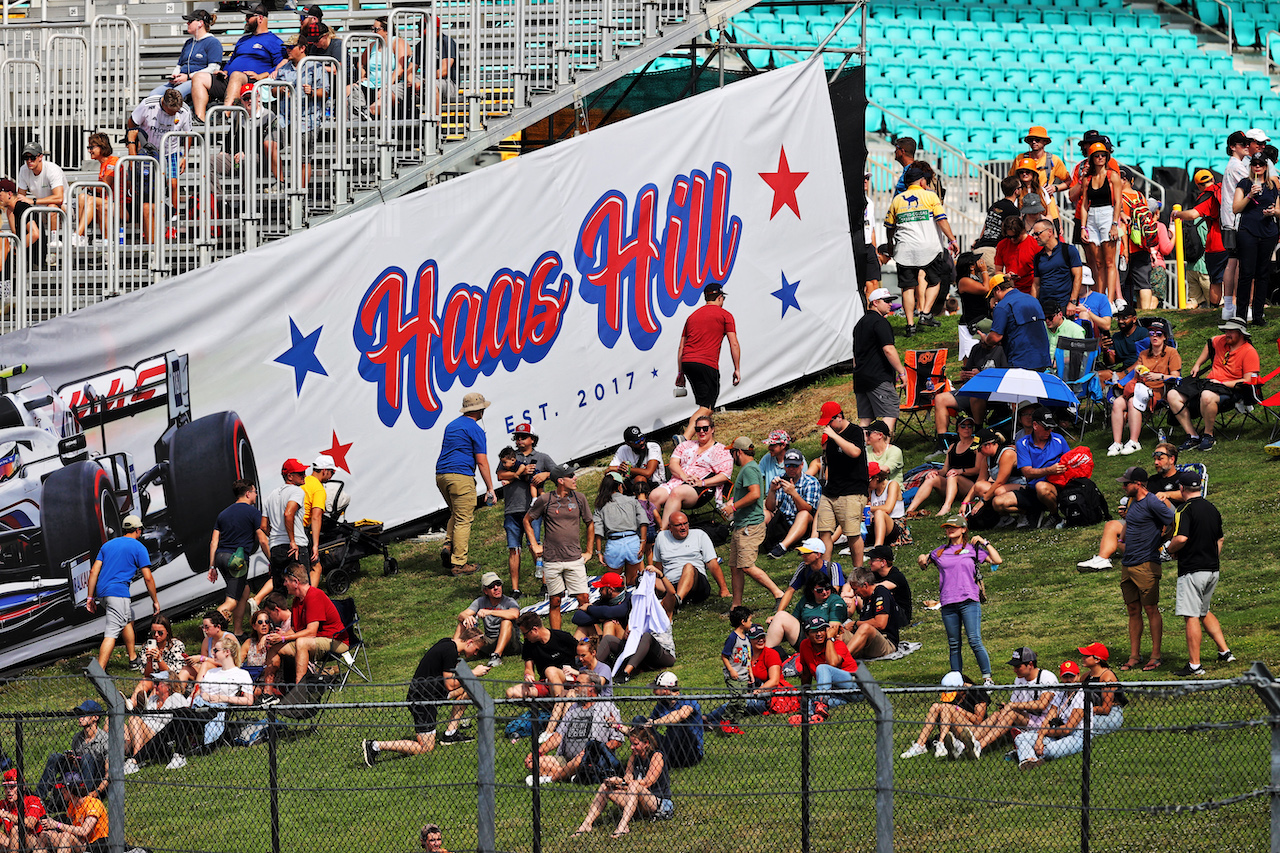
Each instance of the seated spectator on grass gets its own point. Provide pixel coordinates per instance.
(155, 714)
(1093, 313)
(277, 608)
(253, 651)
(880, 451)
(432, 839)
(1157, 366)
(813, 564)
(982, 356)
(766, 677)
(257, 52)
(773, 463)
(224, 683)
(589, 661)
(1064, 735)
(875, 633)
(620, 529)
(546, 653)
(95, 205)
(644, 786)
(1000, 473)
(588, 733)
(818, 598)
(683, 557)
(316, 628)
(212, 626)
(85, 829)
(957, 716)
(958, 473)
(1038, 457)
(884, 500)
(162, 653)
(647, 643)
(496, 615)
(824, 661)
(1120, 350)
(1028, 706)
(639, 458)
(21, 817)
(435, 682)
(608, 614)
(880, 562)
(200, 52)
(87, 755)
(700, 469)
(681, 743)
(789, 506)
(1233, 366)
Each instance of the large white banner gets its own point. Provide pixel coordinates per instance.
(556, 284)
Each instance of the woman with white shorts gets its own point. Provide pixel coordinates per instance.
(1100, 189)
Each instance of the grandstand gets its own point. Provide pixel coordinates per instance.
(967, 78)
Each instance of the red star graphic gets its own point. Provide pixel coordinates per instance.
(784, 183)
(339, 453)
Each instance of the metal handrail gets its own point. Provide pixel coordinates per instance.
(1266, 47)
(1231, 33)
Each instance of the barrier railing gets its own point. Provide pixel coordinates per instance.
(138, 187)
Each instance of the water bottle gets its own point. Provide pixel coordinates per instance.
(1162, 435)
(121, 234)
(537, 568)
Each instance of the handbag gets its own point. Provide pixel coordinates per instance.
(982, 585)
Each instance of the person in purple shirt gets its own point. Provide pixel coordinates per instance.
(463, 449)
(957, 563)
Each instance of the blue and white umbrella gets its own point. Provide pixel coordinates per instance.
(1017, 385)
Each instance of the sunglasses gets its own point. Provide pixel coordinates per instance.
(29, 158)
(702, 429)
(266, 622)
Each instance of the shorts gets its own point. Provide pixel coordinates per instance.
(323, 646)
(624, 550)
(880, 402)
(235, 584)
(217, 87)
(1097, 225)
(1193, 386)
(424, 715)
(280, 559)
(1195, 593)
(844, 512)
(1216, 264)
(895, 533)
(1028, 504)
(701, 590)
(934, 272)
(119, 610)
(1140, 584)
(705, 382)
(513, 524)
(988, 255)
(878, 645)
(570, 577)
(873, 264)
(744, 546)
(1229, 243)
(1137, 276)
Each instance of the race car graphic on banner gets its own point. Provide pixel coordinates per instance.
(556, 283)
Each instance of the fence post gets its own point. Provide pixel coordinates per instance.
(1086, 769)
(116, 713)
(1260, 679)
(19, 756)
(273, 777)
(804, 768)
(884, 757)
(486, 763)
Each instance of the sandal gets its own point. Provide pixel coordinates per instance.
(1153, 664)
(1130, 664)
(619, 833)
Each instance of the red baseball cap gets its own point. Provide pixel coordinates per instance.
(613, 580)
(1096, 650)
(11, 775)
(874, 469)
(524, 429)
(829, 410)
(292, 466)
(1069, 666)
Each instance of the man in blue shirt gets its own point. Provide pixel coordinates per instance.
(118, 561)
(1056, 268)
(1038, 457)
(255, 55)
(462, 450)
(1144, 527)
(1018, 324)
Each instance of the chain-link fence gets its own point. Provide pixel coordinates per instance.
(1182, 767)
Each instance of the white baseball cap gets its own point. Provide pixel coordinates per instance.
(324, 462)
(879, 293)
(1257, 135)
(812, 546)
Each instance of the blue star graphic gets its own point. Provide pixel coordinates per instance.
(787, 294)
(301, 354)
(655, 373)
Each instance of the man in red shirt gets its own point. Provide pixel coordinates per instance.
(1209, 205)
(316, 627)
(698, 355)
(827, 661)
(1235, 365)
(17, 809)
(1016, 253)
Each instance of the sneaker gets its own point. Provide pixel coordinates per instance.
(954, 745)
(1115, 448)
(468, 569)
(940, 750)
(495, 660)
(269, 699)
(1130, 446)
(935, 455)
(968, 747)
(1188, 669)
(138, 664)
(370, 754)
(914, 750)
(1023, 522)
(55, 242)
(728, 728)
(1207, 442)
(459, 736)
(1226, 657)
(79, 241)
(177, 762)
(1192, 443)
(778, 552)
(1030, 763)
(927, 320)
(1011, 755)
(1006, 521)
(910, 332)
(1093, 564)
(542, 780)
(131, 767)
(988, 681)
(517, 594)
(253, 608)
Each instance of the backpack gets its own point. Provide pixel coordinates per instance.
(1142, 226)
(1192, 242)
(1081, 503)
(523, 725)
(598, 763)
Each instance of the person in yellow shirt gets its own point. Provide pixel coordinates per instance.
(1054, 175)
(314, 498)
(86, 831)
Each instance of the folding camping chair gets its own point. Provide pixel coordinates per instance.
(926, 376)
(356, 658)
(1074, 360)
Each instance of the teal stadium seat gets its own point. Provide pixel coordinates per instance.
(1161, 80)
(1115, 117)
(894, 31)
(969, 74)
(1091, 39)
(1102, 20)
(1165, 119)
(1053, 57)
(1195, 61)
(1115, 80)
(1245, 30)
(1259, 83)
(1004, 15)
(959, 56)
(1077, 18)
(1055, 98)
(1131, 99)
(981, 14)
(956, 93)
(944, 31)
(1043, 36)
(1184, 42)
(920, 74)
(992, 36)
(1055, 17)
(1091, 77)
(1019, 116)
(1209, 12)
(931, 12)
(931, 93)
(1235, 83)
